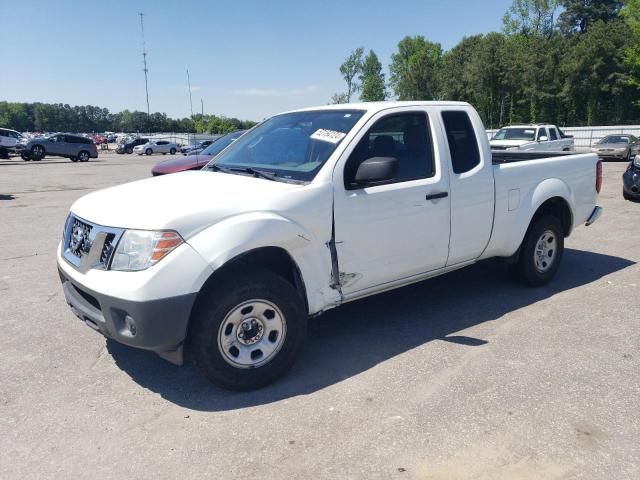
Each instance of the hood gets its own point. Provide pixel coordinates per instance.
(186, 202)
(180, 164)
(509, 143)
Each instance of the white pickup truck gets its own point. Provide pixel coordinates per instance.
(308, 210)
(532, 138)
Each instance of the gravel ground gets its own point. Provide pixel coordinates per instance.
(463, 376)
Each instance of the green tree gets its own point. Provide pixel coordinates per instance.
(372, 85)
(350, 70)
(631, 14)
(414, 68)
(338, 98)
(530, 17)
(579, 15)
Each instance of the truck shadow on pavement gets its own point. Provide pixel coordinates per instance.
(356, 337)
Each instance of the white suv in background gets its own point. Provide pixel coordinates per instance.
(8, 141)
(161, 146)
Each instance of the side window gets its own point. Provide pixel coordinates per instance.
(463, 145)
(404, 136)
(542, 132)
(70, 139)
(553, 134)
(55, 138)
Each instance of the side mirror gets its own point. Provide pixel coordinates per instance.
(543, 138)
(376, 170)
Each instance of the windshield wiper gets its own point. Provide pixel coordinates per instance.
(256, 173)
(216, 168)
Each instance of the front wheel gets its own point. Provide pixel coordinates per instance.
(540, 253)
(37, 152)
(83, 156)
(148, 151)
(128, 150)
(172, 151)
(248, 330)
(25, 157)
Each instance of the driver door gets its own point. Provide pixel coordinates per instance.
(399, 229)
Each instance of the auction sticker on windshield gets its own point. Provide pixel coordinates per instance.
(328, 135)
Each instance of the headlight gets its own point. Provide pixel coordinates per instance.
(513, 148)
(139, 249)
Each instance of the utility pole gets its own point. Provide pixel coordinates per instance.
(144, 60)
(190, 98)
(202, 107)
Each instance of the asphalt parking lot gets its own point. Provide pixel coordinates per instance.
(463, 376)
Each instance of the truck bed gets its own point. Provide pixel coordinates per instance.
(511, 156)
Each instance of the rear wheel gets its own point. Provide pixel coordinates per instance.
(628, 159)
(83, 156)
(128, 150)
(540, 253)
(25, 156)
(172, 151)
(248, 330)
(148, 151)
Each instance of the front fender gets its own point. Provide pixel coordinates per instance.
(529, 205)
(226, 240)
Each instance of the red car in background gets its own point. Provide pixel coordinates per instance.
(196, 162)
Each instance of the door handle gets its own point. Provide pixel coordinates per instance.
(436, 196)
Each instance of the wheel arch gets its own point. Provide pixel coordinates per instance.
(550, 197)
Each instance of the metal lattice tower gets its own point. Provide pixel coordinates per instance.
(144, 59)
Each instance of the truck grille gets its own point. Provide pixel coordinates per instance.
(87, 245)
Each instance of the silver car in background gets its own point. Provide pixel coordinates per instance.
(161, 146)
(617, 147)
(73, 147)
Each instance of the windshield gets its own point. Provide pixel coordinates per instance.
(515, 134)
(290, 146)
(614, 139)
(221, 143)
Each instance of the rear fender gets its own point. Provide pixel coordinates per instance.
(529, 205)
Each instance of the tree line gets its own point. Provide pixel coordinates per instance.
(49, 117)
(569, 62)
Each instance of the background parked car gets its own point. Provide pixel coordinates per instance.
(197, 148)
(196, 162)
(161, 146)
(73, 147)
(617, 147)
(128, 146)
(9, 140)
(631, 180)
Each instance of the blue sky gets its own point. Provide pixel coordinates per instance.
(247, 59)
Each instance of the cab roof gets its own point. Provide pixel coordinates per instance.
(373, 107)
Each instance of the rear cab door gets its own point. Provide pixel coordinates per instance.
(400, 229)
(468, 155)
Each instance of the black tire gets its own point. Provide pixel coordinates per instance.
(83, 156)
(172, 151)
(73, 159)
(37, 152)
(218, 301)
(148, 151)
(626, 196)
(25, 156)
(128, 150)
(536, 270)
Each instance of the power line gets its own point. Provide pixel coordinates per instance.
(144, 60)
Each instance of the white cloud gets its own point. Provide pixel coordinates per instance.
(194, 88)
(266, 92)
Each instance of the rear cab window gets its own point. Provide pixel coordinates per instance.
(463, 144)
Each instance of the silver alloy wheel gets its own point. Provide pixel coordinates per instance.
(545, 252)
(252, 334)
(38, 151)
(83, 156)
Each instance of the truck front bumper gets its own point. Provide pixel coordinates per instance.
(156, 325)
(148, 309)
